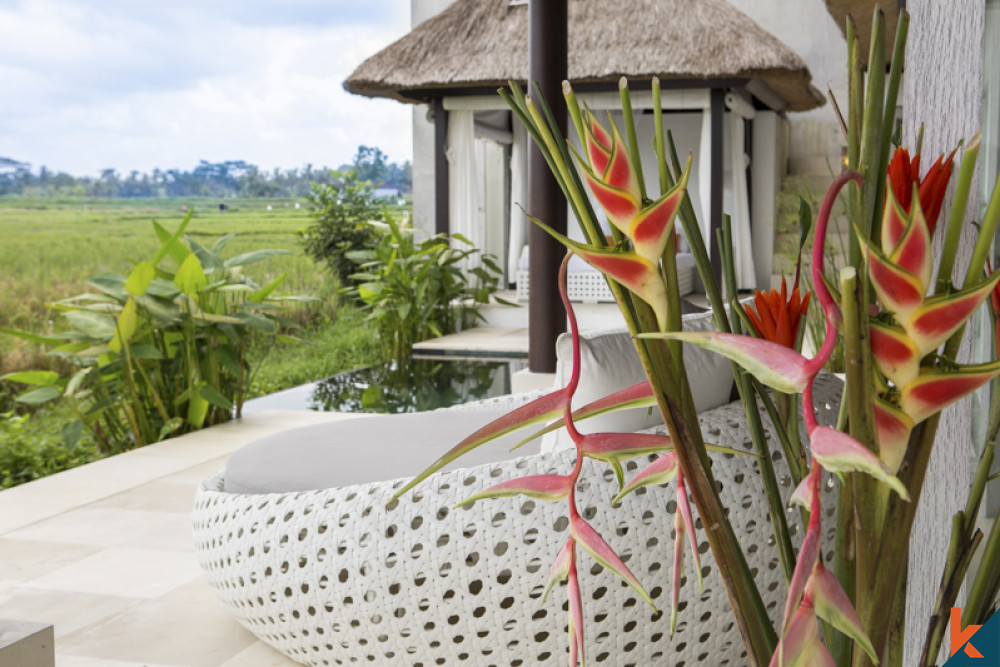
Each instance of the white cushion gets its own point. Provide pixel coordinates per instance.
(609, 362)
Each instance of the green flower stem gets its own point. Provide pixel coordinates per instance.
(889, 115)
(669, 258)
(953, 231)
(856, 101)
(987, 581)
(871, 136)
(574, 112)
(897, 631)
(794, 465)
(633, 140)
(987, 237)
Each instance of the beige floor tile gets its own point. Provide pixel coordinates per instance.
(65, 660)
(193, 476)
(163, 632)
(140, 573)
(108, 527)
(259, 655)
(23, 560)
(67, 611)
(158, 496)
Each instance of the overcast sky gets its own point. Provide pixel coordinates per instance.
(130, 84)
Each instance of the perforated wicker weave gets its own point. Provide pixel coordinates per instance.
(332, 577)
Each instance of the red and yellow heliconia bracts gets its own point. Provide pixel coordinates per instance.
(776, 315)
(911, 325)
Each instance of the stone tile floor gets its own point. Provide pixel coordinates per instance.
(104, 552)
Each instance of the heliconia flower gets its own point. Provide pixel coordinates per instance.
(617, 447)
(621, 206)
(803, 493)
(801, 645)
(893, 427)
(594, 544)
(831, 604)
(838, 452)
(598, 145)
(900, 291)
(678, 570)
(653, 227)
(776, 316)
(903, 177)
(775, 365)
(576, 649)
(913, 250)
(895, 353)
(684, 509)
(807, 559)
(933, 391)
(995, 307)
(939, 317)
(543, 487)
(660, 471)
(560, 567)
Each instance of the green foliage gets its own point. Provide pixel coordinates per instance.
(417, 290)
(32, 447)
(340, 226)
(159, 352)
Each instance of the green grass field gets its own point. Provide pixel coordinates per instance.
(50, 246)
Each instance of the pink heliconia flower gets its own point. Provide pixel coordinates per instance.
(900, 292)
(601, 551)
(678, 570)
(831, 604)
(617, 447)
(912, 251)
(653, 227)
(660, 471)
(576, 648)
(931, 392)
(801, 645)
(894, 352)
(838, 452)
(937, 318)
(893, 427)
(543, 487)
(560, 566)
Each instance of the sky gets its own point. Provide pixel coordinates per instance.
(87, 85)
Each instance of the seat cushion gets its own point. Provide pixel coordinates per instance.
(362, 449)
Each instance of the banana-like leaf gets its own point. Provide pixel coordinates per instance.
(893, 427)
(560, 567)
(939, 317)
(594, 544)
(838, 452)
(660, 471)
(913, 252)
(41, 378)
(934, 391)
(801, 646)
(127, 323)
(895, 353)
(140, 278)
(833, 606)
(543, 487)
(775, 365)
(539, 410)
(653, 228)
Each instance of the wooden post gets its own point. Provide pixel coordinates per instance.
(715, 187)
(546, 315)
(441, 217)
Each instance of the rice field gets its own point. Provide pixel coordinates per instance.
(49, 247)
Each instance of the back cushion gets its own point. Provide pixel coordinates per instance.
(609, 362)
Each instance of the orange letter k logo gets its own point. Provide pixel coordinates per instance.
(960, 636)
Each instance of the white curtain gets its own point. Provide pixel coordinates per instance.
(736, 202)
(518, 198)
(465, 182)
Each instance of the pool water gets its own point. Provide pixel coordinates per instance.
(414, 385)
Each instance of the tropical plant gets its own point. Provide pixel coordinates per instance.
(161, 351)
(31, 448)
(341, 212)
(414, 290)
(900, 328)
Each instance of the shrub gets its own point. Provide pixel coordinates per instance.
(160, 352)
(416, 290)
(29, 450)
(341, 214)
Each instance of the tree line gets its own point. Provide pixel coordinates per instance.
(208, 179)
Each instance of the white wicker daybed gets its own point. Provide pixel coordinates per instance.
(334, 577)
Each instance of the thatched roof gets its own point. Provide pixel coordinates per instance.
(861, 11)
(484, 43)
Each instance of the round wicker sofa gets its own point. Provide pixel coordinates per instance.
(334, 577)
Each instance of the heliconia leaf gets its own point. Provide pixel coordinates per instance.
(801, 645)
(803, 494)
(775, 365)
(594, 544)
(543, 487)
(838, 452)
(620, 205)
(895, 354)
(678, 569)
(598, 145)
(635, 273)
(684, 508)
(939, 317)
(620, 173)
(807, 559)
(560, 567)
(660, 471)
(893, 427)
(900, 291)
(932, 392)
(126, 326)
(831, 604)
(913, 252)
(894, 221)
(612, 447)
(652, 229)
(576, 650)
(539, 410)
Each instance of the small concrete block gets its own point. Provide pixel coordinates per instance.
(25, 644)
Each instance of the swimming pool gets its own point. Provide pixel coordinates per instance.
(415, 385)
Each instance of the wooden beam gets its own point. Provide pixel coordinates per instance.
(441, 217)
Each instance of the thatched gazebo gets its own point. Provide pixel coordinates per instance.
(726, 80)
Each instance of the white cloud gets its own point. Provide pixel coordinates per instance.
(125, 85)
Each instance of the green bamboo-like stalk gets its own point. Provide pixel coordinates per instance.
(791, 456)
(871, 135)
(631, 137)
(956, 218)
(855, 104)
(669, 258)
